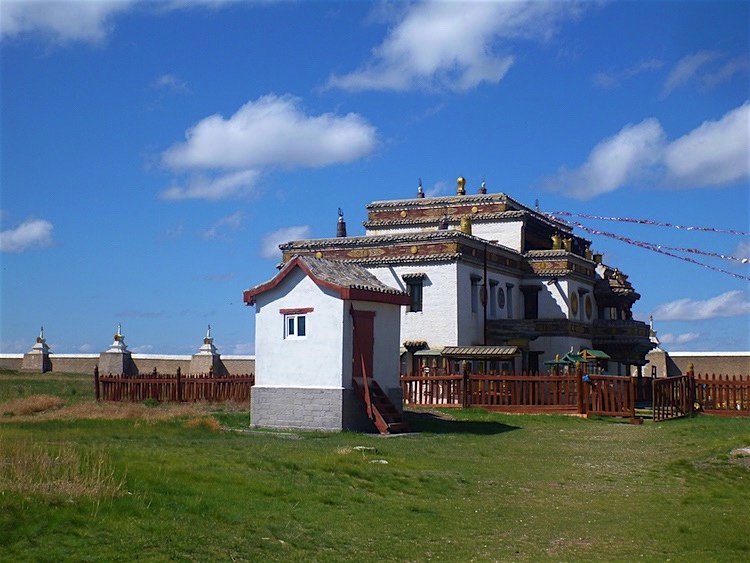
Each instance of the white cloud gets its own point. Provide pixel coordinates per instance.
(222, 187)
(34, 233)
(686, 69)
(268, 133)
(713, 154)
(679, 338)
(62, 22)
(271, 241)
(709, 69)
(272, 131)
(729, 304)
(231, 222)
(243, 349)
(615, 78)
(726, 72)
(743, 251)
(614, 161)
(169, 82)
(717, 152)
(453, 45)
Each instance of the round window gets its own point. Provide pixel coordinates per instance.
(574, 303)
(500, 297)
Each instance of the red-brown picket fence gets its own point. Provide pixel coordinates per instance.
(173, 387)
(525, 393)
(673, 397)
(723, 394)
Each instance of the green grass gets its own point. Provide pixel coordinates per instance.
(470, 485)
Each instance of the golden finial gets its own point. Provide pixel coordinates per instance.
(461, 182)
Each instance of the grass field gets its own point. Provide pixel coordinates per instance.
(87, 482)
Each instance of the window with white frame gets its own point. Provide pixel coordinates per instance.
(295, 322)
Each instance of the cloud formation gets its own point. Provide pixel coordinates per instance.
(31, 234)
(231, 222)
(615, 78)
(713, 154)
(730, 304)
(271, 241)
(62, 22)
(679, 338)
(271, 132)
(453, 45)
(707, 68)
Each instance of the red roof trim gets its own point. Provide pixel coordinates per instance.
(346, 293)
(297, 311)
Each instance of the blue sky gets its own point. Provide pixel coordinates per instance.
(154, 154)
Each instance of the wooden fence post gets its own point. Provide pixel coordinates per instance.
(691, 387)
(467, 388)
(579, 379)
(96, 382)
(179, 384)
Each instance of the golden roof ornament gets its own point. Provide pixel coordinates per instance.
(461, 183)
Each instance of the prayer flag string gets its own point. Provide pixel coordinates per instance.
(660, 249)
(647, 222)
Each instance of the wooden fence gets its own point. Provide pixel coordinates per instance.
(609, 395)
(525, 393)
(673, 397)
(723, 394)
(173, 387)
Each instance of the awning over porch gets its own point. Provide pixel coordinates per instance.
(481, 352)
(427, 353)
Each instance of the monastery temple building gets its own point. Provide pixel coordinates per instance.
(493, 285)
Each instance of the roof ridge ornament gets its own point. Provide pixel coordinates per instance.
(341, 225)
(420, 192)
(461, 186)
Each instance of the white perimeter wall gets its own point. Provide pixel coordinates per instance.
(313, 361)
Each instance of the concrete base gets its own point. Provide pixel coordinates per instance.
(116, 363)
(36, 361)
(324, 409)
(203, 363)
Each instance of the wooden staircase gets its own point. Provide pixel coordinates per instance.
(383, 413)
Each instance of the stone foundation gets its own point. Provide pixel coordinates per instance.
(327, 409)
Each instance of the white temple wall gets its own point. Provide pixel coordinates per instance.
(506, 233)
(437, 322)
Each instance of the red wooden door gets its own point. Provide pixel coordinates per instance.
(363, 325)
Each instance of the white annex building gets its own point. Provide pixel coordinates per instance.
(493, 285)
(325, 332)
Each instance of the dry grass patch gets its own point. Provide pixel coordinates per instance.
(59, 470)
(108, 411)
(208, 422)
(31, 405)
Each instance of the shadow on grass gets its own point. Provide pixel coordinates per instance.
(438, 423)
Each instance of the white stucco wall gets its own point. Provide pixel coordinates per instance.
(313, 361)
(505, 233)
(378, 231)
(437, 323)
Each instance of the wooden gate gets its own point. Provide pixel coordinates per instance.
(673, 397)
